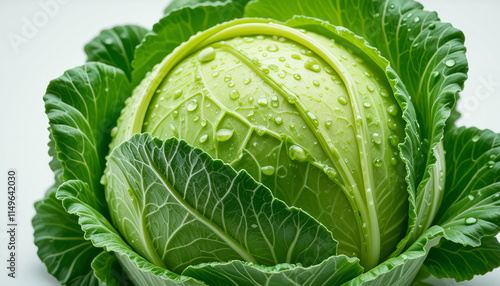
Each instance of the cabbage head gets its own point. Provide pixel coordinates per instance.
(270, 142)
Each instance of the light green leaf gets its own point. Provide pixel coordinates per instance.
(333, 271)
(452, 260)
(401, 270)
(83, 106)
(77, 200)
(116, 47)
(224, 214)
(61, 245)
(428, 55)
(176, 28)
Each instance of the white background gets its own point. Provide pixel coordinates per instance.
(57, 45)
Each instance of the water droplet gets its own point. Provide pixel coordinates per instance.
(278, 120)
(203, 138)
(370, 88)
(178, 71)
(262, 101)
(273, 67)
(297, 153)
(316, 83)
(175, 113)
(267, 170)
(206, 55)
(234, 94)
(261, 130)
(450, 63)
(250, 99)
(491, 164)
(177, 93)
(248, 39)
(114, 131)
(394, 161)
(192, 105)
(281, 171)
(376, 138)
(330, 172)
(328, 123)
(231, 84)
(296, 56)
(392, 110)
(265, 69)
(367, 105)
(297, 76)
(215, 74)
(471, 197)
(274, 101)
(292, 126)
(227, 77)
(108, 41)
(342, 100)
(272, 48)
(416, 19)
(197, 77)
(254, 225)
(470, 220)
(476, 138)
(203, 122)
(224, 134)
(247, 80)
(431, 26)
(250, 113)
(377, 162)
(313, 65)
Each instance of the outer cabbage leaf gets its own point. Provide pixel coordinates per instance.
(178, 4)
(428, 55)
(224, 214)
(176, 28)
(116, 47)
(61, 245)
(333, 271)
(76, 198)
(470, 211)
(81, 105)
(108, 270)
(452, 260)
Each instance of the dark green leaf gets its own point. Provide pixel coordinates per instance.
(108, 270)
(77, 199)
(471, 205)
(116, 47)
(61, 245)
(83, 106)
(452, 260)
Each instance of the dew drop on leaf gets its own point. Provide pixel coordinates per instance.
(203, 138)
(297, 153)
(267, 170)
(224, 135)
(470, 220)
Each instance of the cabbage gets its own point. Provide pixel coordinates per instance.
(269, 143)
